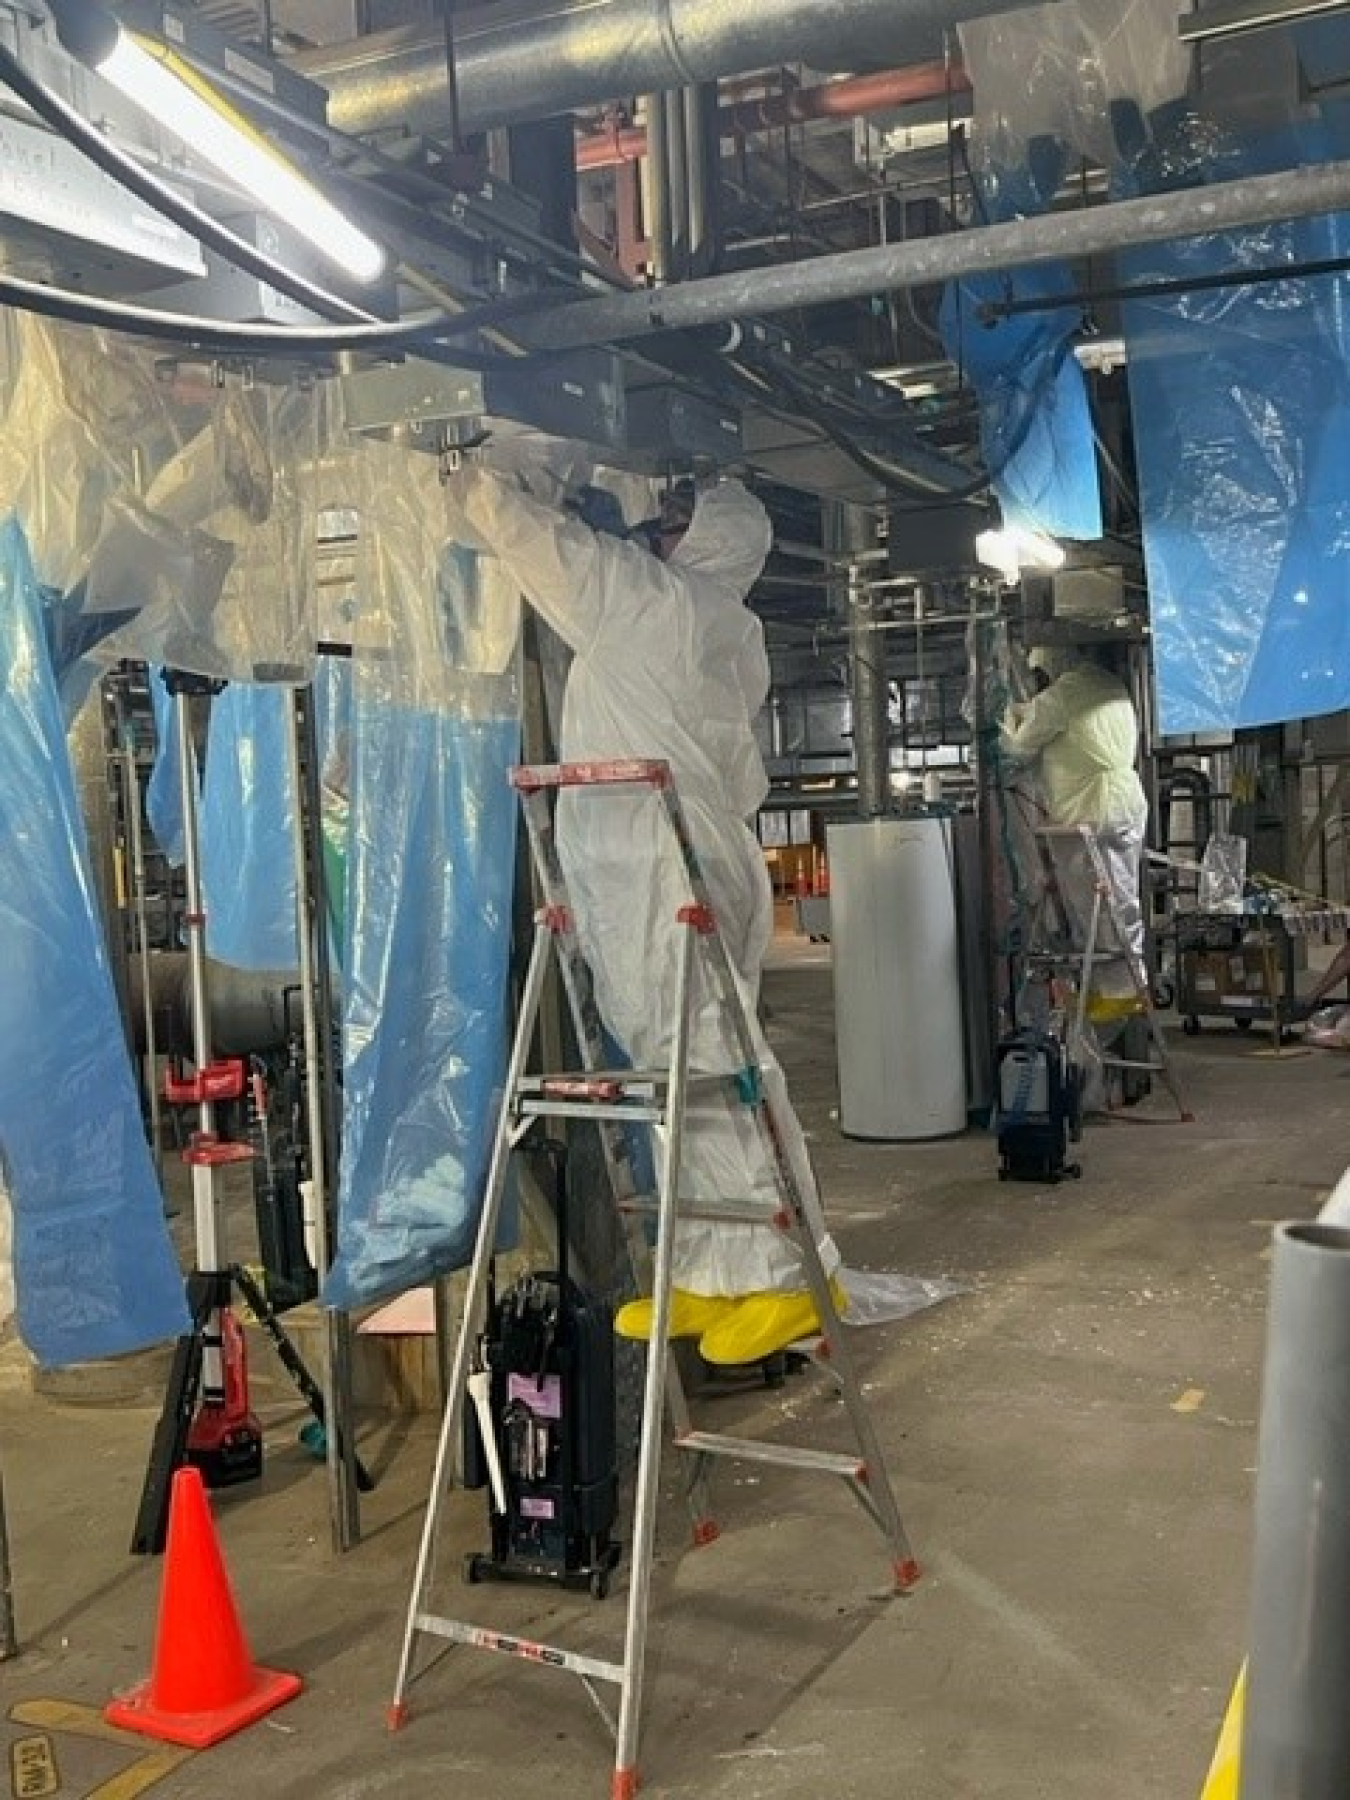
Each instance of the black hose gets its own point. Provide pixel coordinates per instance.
(250, 340)
(128, 173)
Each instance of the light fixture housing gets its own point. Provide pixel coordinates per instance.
(184, 103)
(1015, 548)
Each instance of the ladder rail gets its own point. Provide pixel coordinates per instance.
(658, 1357)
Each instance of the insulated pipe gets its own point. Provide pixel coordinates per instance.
(851, 98)
(1296, 1736)
(528, 61)
(851, 530)
(1297, 193)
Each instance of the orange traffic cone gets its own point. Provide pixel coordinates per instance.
(203, 1685)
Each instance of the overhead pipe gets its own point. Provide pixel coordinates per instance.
(525, 61)
(850, 98)
(920, 262)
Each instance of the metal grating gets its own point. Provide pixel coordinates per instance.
(238, 18)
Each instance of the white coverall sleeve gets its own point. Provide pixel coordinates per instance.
(580, 582)
(1042, 720)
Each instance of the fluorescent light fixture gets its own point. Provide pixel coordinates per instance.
(1014, 549)
(187, 108)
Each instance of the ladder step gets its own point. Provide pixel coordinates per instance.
(770, 1213)
(786, 1456)
(591, 1109)
(459, 1632)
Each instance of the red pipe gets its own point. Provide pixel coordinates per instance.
(847, 99)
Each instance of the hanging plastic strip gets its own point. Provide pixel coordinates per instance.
(95, 1271)
(248, 858)
(431, 856)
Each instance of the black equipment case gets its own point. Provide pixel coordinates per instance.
(548, 1349)
(1039, 1108)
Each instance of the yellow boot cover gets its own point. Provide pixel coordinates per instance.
(690, 1315)
(761, 1324)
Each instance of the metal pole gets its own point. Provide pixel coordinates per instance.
(131, 786)
(205, 1214)
(867, 671)
(917, 262)
(316, 1013)
(660, 230)
(9, 1637)
(1296, 1737)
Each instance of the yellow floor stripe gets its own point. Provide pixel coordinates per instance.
(1222, 1781)
(86, 1721)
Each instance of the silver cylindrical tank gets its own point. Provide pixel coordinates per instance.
(897, 981)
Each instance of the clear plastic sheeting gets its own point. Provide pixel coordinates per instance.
(158, 490)
(1078, 78)
(877, 1297)
(1241, 402)
(247, 828)
(95, 1272)
(431, 853)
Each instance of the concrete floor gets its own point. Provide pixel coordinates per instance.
(1072, 1442)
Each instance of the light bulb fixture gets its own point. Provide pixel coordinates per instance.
(1015, 548)
(185, 104)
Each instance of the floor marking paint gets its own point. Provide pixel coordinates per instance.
(151, 1766)
(33, 1774)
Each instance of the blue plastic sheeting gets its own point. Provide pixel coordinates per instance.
(94, 1269)
(247, 826)
(431, 859)
(1035, 420)
(1241, 406)
(164, 791)
(1036, 431)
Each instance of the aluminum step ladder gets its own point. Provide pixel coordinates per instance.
(1106, 941)
(615, 1099)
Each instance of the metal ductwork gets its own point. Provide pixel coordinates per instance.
(521, 61)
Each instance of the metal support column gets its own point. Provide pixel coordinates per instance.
(1296, 1738)
(853, 534)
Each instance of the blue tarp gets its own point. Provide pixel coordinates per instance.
(1036, 432)
(247, 820)
(1241, 407)
(429, 882)
(164, 793)
(94, 1269)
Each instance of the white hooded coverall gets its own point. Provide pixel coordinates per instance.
(667, 663)
(1083, 727)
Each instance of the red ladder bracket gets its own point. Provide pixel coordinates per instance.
(700, 917)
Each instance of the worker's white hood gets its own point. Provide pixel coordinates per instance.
(728, 539)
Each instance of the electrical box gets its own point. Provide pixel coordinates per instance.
(249, 66)
(578, 396)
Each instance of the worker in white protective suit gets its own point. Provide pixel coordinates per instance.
(669, 663)
(1083, 729)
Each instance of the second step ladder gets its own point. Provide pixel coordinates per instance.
(616, 1099)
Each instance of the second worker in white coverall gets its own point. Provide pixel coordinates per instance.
(1083, 729)
(668, 662)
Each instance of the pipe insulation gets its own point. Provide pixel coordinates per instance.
(1296, 1740)
(529, 61)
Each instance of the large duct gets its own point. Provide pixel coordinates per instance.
(521, 61)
